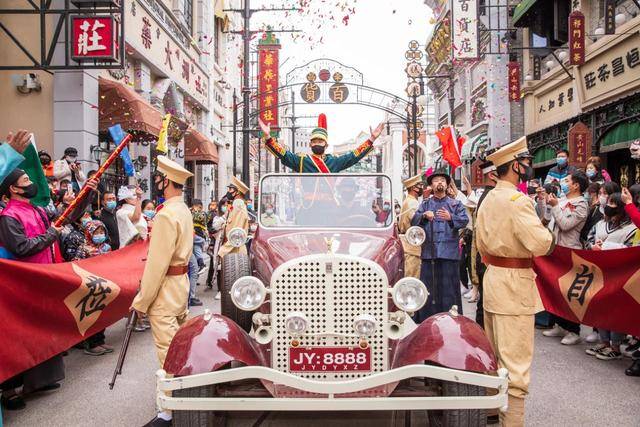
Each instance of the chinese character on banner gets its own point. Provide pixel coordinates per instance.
(268, 83)
(579, 138)
(465, 29)
(93, 37)
(610, 16)
(576, 38)
(514, 81)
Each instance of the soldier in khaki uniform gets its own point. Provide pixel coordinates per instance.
(237, 218)
(164, 290)
(509, 235)
(412, 261)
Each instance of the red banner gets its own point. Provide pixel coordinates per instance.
(268, 67)
(47, 309)
(594, 288)
(576, 38)
(514, 81)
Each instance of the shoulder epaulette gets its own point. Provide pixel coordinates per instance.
(516, 197)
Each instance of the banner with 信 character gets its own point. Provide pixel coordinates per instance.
(594, 288)
(46, 309)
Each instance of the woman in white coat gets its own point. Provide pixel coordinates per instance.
(131, 223)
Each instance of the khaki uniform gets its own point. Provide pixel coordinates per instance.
(412, 261)
(238, 218)
(164, 298)
(507, 226)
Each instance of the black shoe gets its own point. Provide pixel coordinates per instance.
(201, 268)
(195, 302)
(158, 422)
(13, 403)
(493, 419)
(634, 369)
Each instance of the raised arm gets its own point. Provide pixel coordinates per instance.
(287, 158)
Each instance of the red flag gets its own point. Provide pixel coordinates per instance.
(595, 288)
(47, 309)
(451, 146)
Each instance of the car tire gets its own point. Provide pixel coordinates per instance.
(459, 417)
(198, 418)
(234, 266)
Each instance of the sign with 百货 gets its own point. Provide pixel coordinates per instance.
(464, 29)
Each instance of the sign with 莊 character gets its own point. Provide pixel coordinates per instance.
(465, 38)
(93, 37)
(579, 137)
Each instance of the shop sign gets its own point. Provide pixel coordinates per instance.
(554, 103)
(477, 178)
(579, 142)
(268, 65)
(576, 38)
(610, 16)
(154, 41)
(94, 37)
(465, 41)
(439, 47)
(514, 81)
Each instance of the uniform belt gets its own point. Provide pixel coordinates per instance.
(177, 270)
(503, 262)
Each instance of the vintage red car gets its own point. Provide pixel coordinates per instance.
(317, 317)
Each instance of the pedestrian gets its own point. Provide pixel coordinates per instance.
(164, 289)
(27, 234)
(569, 215)
(412, 262)
(561, 171)
(109, 219)
(64, 184)
(200, 230)
(218, 222)
(72, 237)
(70, 169)
(212, 212)
(595, 172)
(509, 235)
(47, 164)
(478, 267)
(11, 152)
(131, 224)
(237, 217)
(268, 217)
(148, 212)
(441, 217)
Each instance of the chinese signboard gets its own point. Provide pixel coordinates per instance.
(338, 92)
(465, 41)
(555, 105)
(477, 178)
(579, 145)
(610, 16)
(93, 37)
(439, 47)
(537, 67)
(576, 38)
(268, 65)
(514, 81)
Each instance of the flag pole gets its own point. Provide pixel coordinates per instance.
(85, 190)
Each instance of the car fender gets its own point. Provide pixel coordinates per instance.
(206, 343)
(448, 340)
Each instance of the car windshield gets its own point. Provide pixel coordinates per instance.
(322, 200)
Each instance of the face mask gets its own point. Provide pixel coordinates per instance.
(158, 189)
(45, 161)
(230, 195)
(71, 159)
(149, 213)
(98, 238)
(111, 204)
(602, 200)
(561, 161)
(387, 208)
(591, 173)
(249, 206)
(224, 209)
(253, 228)
(527, 174)
(397, 211)
(29, 191)
(85, 221)
(610, 211)
(269, 211)
(318, 149)
(564, 188)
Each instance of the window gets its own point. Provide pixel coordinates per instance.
(547, 32)
(188, 14)
(217, 34)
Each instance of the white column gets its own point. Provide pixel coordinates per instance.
(396, 162)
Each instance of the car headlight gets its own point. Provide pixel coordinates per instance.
(365, 325)
(296, 323)
(415, 236)
(409, 294)
(237, 237)
(248, 293)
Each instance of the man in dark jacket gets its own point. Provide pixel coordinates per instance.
(108, 218)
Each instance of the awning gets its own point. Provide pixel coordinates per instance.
(520, 11)
(471, 148)
(620, 136)
(198, 148)
(120, 105)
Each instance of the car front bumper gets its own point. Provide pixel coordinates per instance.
(332, 390)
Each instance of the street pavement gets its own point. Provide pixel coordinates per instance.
(568, 387)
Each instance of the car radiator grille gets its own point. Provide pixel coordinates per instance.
(331, 290)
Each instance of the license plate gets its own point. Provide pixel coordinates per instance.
(329, 359)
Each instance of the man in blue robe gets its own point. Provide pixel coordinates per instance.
(441, 217)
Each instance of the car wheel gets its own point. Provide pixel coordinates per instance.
(234, 266)
(198, 418)
(458, 417)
